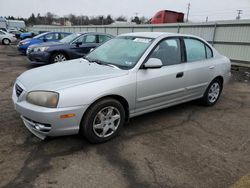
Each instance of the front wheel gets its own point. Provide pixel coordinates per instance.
(58, 57)
(212, 93)
(103, 120)
(6, 41)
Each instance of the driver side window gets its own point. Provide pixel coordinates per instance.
(168, 51)
(51, 36)
(86, 39)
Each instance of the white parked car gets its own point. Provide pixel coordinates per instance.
(7, 38)
(129, 75)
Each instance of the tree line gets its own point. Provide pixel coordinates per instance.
(52, 19)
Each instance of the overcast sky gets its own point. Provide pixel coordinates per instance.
(214, 9)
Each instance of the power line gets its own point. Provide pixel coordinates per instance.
(218, 11)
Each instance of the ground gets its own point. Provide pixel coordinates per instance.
(183, 146)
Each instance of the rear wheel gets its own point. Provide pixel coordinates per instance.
(103, 120)
(58, 57)
(212, 93)
(6, 41)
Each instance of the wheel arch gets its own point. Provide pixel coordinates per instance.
(119, 98)
(220, 78)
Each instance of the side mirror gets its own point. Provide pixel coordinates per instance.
(153, 63)
(78, 44)
(44, 40)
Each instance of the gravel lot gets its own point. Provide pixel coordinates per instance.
(183, 146)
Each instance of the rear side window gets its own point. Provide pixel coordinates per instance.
(197, 50)
(103, 38)
(52, 36)
(89, 39)
(64, 35)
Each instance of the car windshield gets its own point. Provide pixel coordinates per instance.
(69, 38)
(123, 52)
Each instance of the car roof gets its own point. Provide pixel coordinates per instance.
(95, 33)
(55, 32)
(154, 34)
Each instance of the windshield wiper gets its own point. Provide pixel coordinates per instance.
(112, 65)
(100, 62)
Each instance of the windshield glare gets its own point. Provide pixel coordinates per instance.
(123, 52)
(69, 38)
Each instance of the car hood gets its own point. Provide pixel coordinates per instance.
(67, 74)
(26, 40)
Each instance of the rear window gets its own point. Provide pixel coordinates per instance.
(197, 50)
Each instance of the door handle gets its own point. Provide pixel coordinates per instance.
(179, 74)
(211, 67)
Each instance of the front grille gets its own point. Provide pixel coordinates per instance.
(19, 90)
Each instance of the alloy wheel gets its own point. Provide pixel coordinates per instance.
(6, 41)
(106, 121)
(59, 58)
(214, 92)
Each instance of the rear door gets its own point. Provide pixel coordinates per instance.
(199, 68)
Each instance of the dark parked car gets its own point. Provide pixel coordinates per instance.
(73, 46)
(44, 37)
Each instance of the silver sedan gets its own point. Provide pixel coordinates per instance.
(130, 75)
(7, 38)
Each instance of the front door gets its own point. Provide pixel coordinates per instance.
(83, 45)
(157, 88)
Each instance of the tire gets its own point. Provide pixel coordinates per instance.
(58, 57)
(212, 93)
(103, 120)
(6, 41)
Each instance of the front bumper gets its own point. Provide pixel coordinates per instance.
(39, 57)
(22, 48)
(44, 122)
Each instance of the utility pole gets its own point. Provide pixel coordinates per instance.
(207, 19)
(239, 12)
(188, 8)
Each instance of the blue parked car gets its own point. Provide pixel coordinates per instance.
(26, 35)
(44, 37)
(31, 34)
(73, 46)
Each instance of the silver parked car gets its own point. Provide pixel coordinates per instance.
(130, 75)
(7, 38)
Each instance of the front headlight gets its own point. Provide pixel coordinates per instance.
(40, 49)
(47, 99)
(23, 43)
